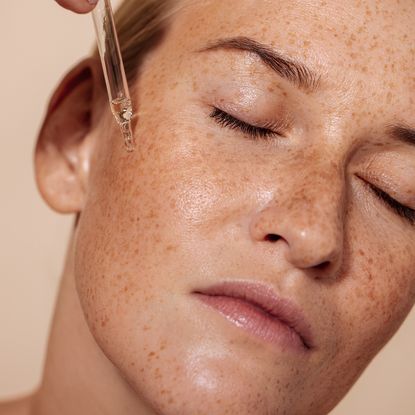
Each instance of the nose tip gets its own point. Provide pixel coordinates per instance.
(311, 249)
(315, 247)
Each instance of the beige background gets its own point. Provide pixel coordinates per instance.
(38, 43)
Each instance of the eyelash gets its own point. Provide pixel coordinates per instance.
(403, 211)
(226, 120)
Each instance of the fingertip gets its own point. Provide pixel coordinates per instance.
(78, 6)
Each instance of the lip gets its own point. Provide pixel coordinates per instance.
(256, 308)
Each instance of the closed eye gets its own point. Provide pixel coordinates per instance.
(256, 132)
(402, 210)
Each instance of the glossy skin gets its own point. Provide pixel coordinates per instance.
(195, 204)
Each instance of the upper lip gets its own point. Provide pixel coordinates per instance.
(265, 298)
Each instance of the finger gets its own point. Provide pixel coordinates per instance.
(78, 6)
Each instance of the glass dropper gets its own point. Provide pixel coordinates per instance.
(113, 68)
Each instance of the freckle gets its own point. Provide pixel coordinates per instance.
(151, 354)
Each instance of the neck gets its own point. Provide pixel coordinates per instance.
(78, 378)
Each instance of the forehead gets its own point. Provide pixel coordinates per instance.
(359, 44)
(367, 27)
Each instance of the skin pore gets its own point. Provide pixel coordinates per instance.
(240, 173)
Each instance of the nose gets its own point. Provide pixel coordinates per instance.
(307, 223)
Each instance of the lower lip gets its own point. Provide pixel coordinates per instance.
(255, 321)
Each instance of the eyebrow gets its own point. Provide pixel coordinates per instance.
(293, 71)
(402, 133)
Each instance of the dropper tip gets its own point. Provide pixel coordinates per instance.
(129, 142)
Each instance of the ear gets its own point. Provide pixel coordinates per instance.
(64, 146)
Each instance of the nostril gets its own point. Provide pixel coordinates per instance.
(272, 237)
(323, 265)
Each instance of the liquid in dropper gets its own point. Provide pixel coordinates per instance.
(122, 110)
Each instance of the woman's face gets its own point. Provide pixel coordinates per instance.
(314, 200)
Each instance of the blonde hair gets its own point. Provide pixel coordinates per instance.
(140, 25)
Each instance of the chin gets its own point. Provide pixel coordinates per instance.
(212, 381)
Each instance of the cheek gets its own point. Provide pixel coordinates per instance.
(372, 300)
(127, 266)
(379, 293)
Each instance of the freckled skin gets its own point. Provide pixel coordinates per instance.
(196, 202)
(214, 196)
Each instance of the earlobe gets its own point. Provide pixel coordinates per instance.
(63, 150)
